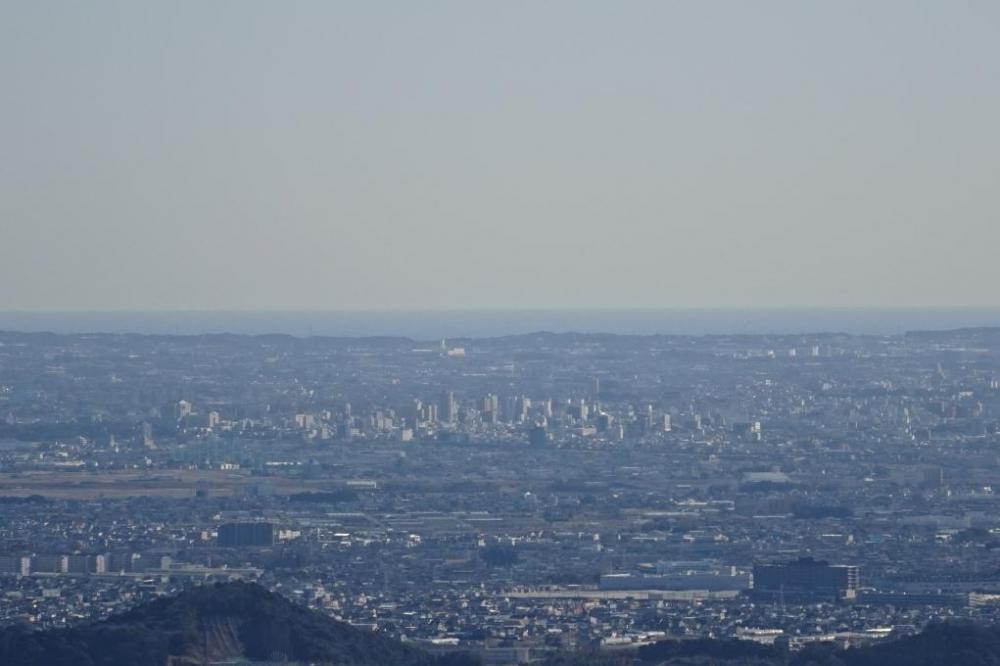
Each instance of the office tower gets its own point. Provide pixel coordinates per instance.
(146, 435)
(182, 408)
(521, 407)
(491, 407)
(232, 535)
(449, 407)
(416, 412)
(509, 410)
(805, 578)
(538, 434)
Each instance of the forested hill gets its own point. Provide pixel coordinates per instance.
(943, 644)
(209, 623)
(243, 620)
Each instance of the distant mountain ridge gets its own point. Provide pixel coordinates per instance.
(487, 323)
(989, 335)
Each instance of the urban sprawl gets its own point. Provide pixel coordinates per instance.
(511, 496)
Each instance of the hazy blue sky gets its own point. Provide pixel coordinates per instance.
(504, 154)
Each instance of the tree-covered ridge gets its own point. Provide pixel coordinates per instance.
(214, 622)
(950, 643)
(221, 621)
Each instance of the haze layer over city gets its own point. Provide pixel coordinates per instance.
(463, 333)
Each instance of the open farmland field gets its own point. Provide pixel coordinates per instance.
(83, 485)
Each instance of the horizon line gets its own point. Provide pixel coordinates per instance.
(403, 310)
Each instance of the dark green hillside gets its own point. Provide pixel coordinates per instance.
(943, 644)
(243, 620)
(211, 622)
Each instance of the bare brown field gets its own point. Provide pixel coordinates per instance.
(137, 483)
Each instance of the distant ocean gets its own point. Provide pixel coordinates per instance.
(434, 325)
